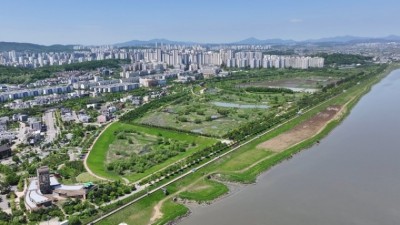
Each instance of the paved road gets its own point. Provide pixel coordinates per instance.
(22, 130)
(49, 120)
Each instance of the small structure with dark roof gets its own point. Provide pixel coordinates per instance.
(5, 151)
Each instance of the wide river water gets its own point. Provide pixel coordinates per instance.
(351, 177)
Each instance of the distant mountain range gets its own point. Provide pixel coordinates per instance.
(153, 42)
(8, 46)
(19, 47)
(255, 41)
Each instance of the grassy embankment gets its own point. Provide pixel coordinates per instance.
(97, 156)
(140, 213)
(244, 164)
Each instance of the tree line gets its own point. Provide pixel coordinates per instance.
(20, 75)
(130, 116)
(269, 90)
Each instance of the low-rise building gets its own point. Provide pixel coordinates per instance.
(45, 188)
(5, 151)
(102, 119)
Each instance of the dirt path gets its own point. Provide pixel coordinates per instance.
(157, 214)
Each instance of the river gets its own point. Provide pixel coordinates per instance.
(351, 177)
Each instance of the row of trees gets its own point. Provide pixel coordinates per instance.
(269, 90)
(178, 167)
(344, 59)
(78, 207)
(109, 191)
(140, 111)
(181, 130)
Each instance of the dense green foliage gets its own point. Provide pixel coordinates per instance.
(17, 75)
(77, 207)
(190, 161)
(44, 214)
(92, 65)
(138, 112)
(344, 59)
(71, 169)
(269, 90)
(22, 47)
(109, 191)
(11, 177)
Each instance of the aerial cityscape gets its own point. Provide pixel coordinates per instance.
(203, 112)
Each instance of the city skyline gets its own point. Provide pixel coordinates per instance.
(105, 22)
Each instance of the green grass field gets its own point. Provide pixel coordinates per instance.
(98, 155)
(204, 190)
(86, 177)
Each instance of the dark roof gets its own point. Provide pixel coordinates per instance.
(43, 169)
(4, 148)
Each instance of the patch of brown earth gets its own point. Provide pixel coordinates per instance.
(303, 131)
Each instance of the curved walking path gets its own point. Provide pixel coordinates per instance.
(90, 149)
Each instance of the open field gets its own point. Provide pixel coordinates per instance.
(218, 111)
(312, 82)
(130, 142)
(204, 190)
(86, 177)
(301, 132)
(98, 155)
(202, 117)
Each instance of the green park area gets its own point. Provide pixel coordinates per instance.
(244, 164)
(134, 152)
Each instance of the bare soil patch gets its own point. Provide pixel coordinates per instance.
(303, 131)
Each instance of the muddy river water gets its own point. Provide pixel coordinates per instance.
(351, 177)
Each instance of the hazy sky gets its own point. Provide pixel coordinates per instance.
(108, 22)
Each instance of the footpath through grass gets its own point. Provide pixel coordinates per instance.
(96, 160)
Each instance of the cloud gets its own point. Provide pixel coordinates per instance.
(296, 20)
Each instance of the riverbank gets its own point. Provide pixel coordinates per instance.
(227, 166)
(346, 179)
(252, 171)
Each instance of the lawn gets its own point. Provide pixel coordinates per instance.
(204, 190)
(98, 155)
(244, 159)
(136, 214)
(86, 177)
(313, 82)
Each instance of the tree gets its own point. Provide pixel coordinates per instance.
(73, 220)
(15, 158)
(4, 187)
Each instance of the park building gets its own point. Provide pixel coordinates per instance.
(44, 189)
